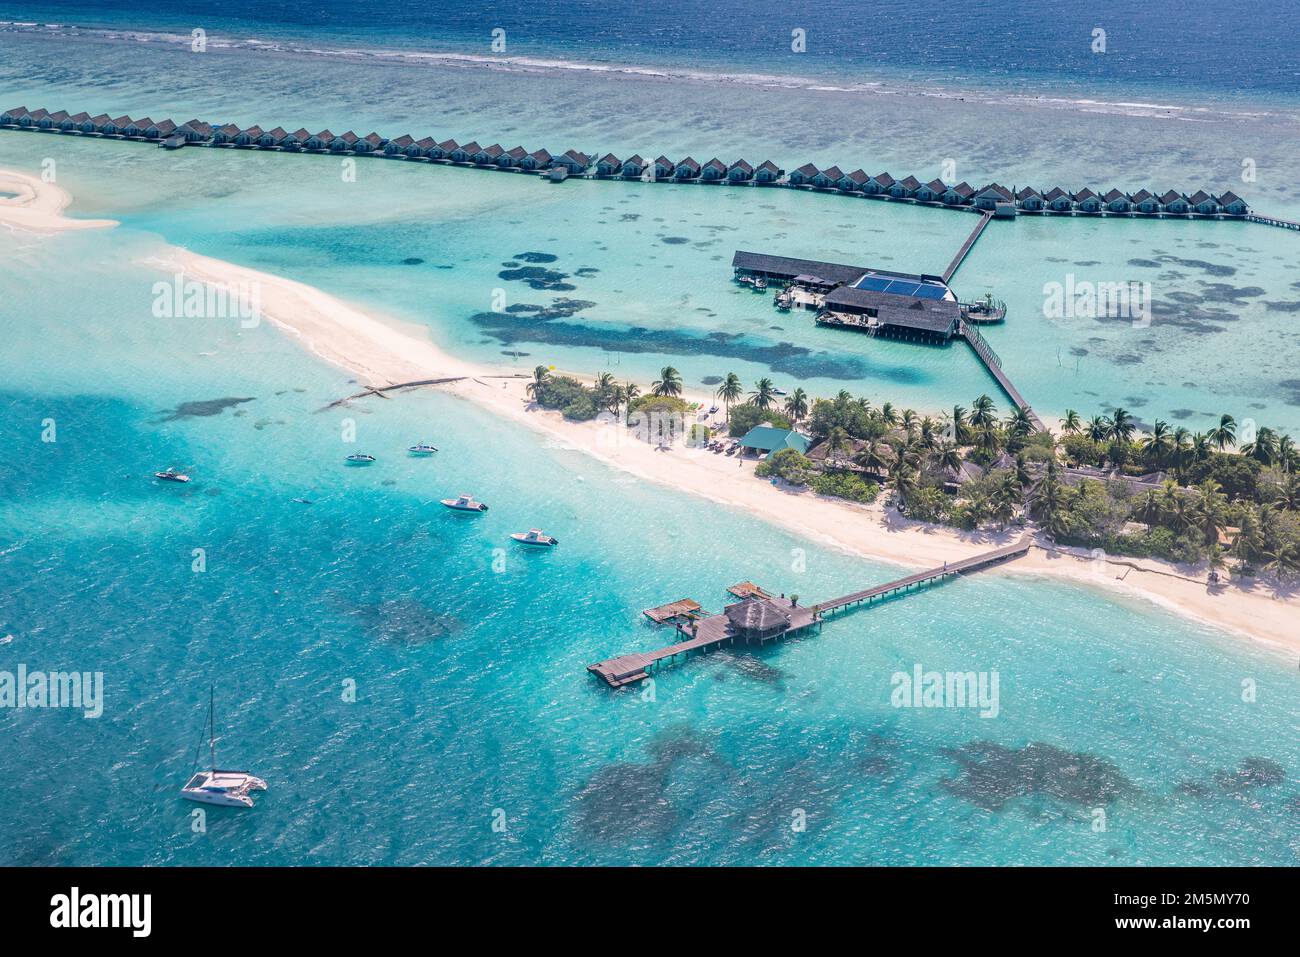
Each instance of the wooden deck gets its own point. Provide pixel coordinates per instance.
(984, 352)
(748, 590)
(967, 246)
(709, 633)
(681, 609)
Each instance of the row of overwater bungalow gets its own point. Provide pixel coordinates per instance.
(999, 200)
(993, 198)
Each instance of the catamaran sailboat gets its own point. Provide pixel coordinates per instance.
(225, 788)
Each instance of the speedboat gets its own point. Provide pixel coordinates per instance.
(534, 536)
(360, 458)
(214, 786)
(171, 475)
(464, 503)
(424, 448)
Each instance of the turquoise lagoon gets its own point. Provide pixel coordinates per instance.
(471, 695)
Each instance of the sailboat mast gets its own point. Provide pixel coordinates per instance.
(212, 726)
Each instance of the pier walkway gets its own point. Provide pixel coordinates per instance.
(967, 246)
(1272, 221)
(993, 364)
(716, 630)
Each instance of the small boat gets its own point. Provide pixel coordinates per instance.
(760, 285)
(745, 280)
(171, 475)
(464, 503)
(424, 448)
(360, 458)
(214, 786)
(534, 536)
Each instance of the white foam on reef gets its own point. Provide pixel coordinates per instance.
(543, 65)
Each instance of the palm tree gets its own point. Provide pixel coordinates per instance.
(1019, 424)
(1007, 497)
(1265, 447)
(1288, 456)
(1098, 428)
(1071, 424)
(948, 458)
(909, 421)
(669, 383)
(1122, 426)
(960, 432)
(888, 415)
(837, 440)
(983, 413)
(630, 391)
(730, 391)
(796, 405)
(540, 377)
(763, 395)
(1158, 444)
(905, 483)
(1225, 434)
(877, 457)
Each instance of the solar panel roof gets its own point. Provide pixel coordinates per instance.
(900, 287)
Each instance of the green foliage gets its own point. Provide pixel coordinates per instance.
(656, 404)
(574, 400)
(1237, 475)
(745, 417)
(845, 485)
(929, 504)
(787, 464)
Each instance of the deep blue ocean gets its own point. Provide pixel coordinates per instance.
(467, 655)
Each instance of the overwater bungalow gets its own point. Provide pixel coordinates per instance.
(160, 130)
(740, 172)
(397, 147)
(224, 135)
(803, 174)
(687, 169)
(75, 123)
(1058, 200)
(511, 158)
(1144, 201)
(372, 142)
(714, 171)
(464, 153)
(664, 168)
(137, 127)
(97, 123)
(931, 192)
(959, 195)
(1175, 202)
(768, 172)
(991, 196)
(33, 119)
(905, 188)
(537, 159)
(1117, 201)
(273, 138)
(1233, 205)
(54, 121)
(443, 150)
(319, 142)
(1086, 201)
(573, 161)
(874, 186)
(487, 156)
(11, 117)
(297, 140)
(853, 182)
(115, 127)
(827, 178)
(196, 131)
(248, 136)
(344, 142)
(634, 167)
(422, 147)
(1030, 199)
(1203, 203)
(609, 165)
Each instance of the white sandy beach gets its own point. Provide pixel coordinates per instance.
(37, 206)
(383, 352)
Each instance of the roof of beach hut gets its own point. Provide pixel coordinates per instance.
(717, 164)
(857, 177)
(1084, 194)
(493, 151)
(1113, 195)
(1199, 197)
(121, 121)
(39, 114)
(542, 156)
(885, 180)
(325, 136)
(665, 162)
(1142, 195)
(1028, 192)
(198, 126)
(101, 119)
(909, 182)
(741, 165)
(80, 117)
(581, 159)
(689, 163)
(427, 142)
(635, 160)
(348, 137)
(1171, 196)
(164, 126)
(279, 133)
(254, 131)
(59, 116)
(833, 173)
(609, 159)
(936, 186)
(517, 153)
(374, 139)
(997, 189)
(769, 166)
(404, 140)
(1055, 193)
(16, 112)
(471, 148)
(808, 169)
(1228, 198)
(448, 146)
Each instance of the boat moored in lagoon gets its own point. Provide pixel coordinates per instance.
(214, 786)
(423, 448)
(360, 458)
(464, 503)
(535, 537)
(171, 475)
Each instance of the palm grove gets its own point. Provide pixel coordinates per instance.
(1228, 495)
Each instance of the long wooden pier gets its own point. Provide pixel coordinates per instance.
(993, 364)
(967, 246)
(715, 631)
(1272, 221)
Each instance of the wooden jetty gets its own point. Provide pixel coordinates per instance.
(984, 352)
(761, 618)
(680, 610)
(748, 590)
(967, 246)
(1272, 221)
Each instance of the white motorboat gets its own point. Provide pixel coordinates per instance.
(171, 475)
(360, 458)
(424, 448)
(464, 503)
(215, 786)
(535, 537)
